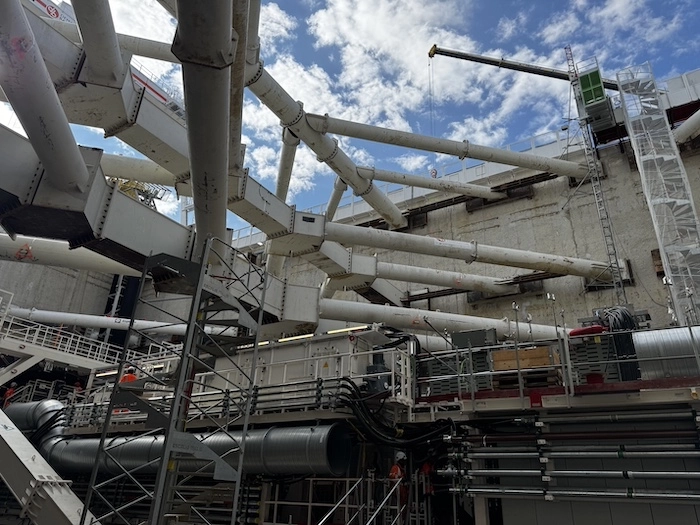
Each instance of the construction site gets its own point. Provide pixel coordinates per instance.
(512, 338)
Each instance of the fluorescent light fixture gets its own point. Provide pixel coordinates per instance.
(107, 373)
(294, 338)
(349, 329)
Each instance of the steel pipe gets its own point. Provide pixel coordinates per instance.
(238, 76)
(290, 142)
(142, 47)
(326, 124)
(339, 188)
(50, 252)
(461, 281)
(131, 168)
(689, 129)
(446, 185)
(293, 116)
(468, 251)
(425, 320)
(29, 88)
(104, 57)
(112, 323)
(203, 43)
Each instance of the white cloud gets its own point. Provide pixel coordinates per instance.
(560, 28)
(509, 27)
(169, 205)
(9, 119)
(412, 162)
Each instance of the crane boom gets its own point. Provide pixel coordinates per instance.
(510, 64)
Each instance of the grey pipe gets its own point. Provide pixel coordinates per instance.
(321, 450)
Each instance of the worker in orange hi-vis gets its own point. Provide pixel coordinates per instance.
(398, 471)
(7, 398)
(130, 375)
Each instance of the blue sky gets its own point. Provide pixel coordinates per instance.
(366, 60)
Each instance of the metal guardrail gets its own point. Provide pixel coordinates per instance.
(61, 340)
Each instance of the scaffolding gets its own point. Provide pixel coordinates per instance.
(182, 476)
(666, 188)
(589, 92)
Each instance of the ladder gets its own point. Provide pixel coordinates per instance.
(594, 176)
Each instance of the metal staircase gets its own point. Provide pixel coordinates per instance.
(594, 174)
(193, 482)
(666, 188)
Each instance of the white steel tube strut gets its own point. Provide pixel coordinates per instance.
(293, 116)
(142, 47)
(462, 188)
(414, 319)
(49, 252)
(466, 251)
(111, 323)
(204, 46)
(325, 124)
(104, 58)
(28, 86)
(689, 129)
(460, 281)
(339, 188)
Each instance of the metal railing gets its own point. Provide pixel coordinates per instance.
(61, 340)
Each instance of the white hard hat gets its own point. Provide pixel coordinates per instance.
(400, 455)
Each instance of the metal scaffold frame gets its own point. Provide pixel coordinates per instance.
(594, 176)
(197, 476)
(666, 188)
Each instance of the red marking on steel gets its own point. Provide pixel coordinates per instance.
(150, 88)
(25, 252)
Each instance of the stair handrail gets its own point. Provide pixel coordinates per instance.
(385, 501)
(340, 501)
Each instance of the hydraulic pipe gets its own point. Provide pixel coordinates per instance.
(461, 188)
(325, 124)
(203, 43)
(689, 129)
(425, 320)
(293, 116)
(619, 454)
(339, 188)
(510, 64)
(466, 251)
(461, 281)
(50, 252)
(608, 474)
(628, 494)
(29, 88)
(104, 57)
(488, 439)
(111, 323)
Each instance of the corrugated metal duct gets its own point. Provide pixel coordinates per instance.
(314, 450)
(668, 348)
